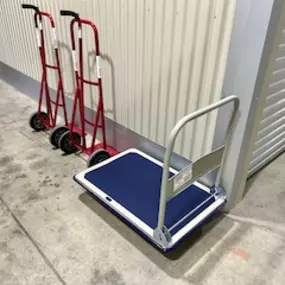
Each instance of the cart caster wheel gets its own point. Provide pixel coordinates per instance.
(67, 145)
(98, 156)
(35, 121)
(56, 134)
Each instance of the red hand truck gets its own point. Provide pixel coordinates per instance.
(41, 120)
(74, 139)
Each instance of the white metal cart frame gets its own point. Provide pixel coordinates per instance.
(129, 192)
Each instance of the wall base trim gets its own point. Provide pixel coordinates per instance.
(118, 136)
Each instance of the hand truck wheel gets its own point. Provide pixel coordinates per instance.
(56, 134)
(36, 119)
(66, 144)
(97, 157)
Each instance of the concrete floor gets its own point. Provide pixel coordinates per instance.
(52, 232)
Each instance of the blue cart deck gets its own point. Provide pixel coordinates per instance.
(130, 183)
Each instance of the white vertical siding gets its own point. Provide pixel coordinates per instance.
(270, 140)
(160, 59)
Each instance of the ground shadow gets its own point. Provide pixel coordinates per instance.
(111, 111)
(91, 70)
(180, 261)
(107, 59)
(251, 179)
(67, 68)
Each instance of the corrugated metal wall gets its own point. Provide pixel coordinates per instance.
(270, 140)
(160, 59)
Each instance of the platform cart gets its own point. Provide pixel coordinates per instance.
(162, 204)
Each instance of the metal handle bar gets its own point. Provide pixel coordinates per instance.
(36, 9)
(173, 135)
(42, 14)
(29, 6)
(39, 15)
(69, 13)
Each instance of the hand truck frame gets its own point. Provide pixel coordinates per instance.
(74, 139)
(41, 120)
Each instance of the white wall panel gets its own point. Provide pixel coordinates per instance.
(271, 135)
(160, 59)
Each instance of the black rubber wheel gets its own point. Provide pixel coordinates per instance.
(97, 157)
(56, 134)
(35, 121)
(66, 144)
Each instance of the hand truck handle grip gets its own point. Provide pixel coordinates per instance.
(28, 6)
(69, 13)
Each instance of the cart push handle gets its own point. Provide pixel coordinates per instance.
(69, 13)
(36, 9)
(170, 187)
(29, 6)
